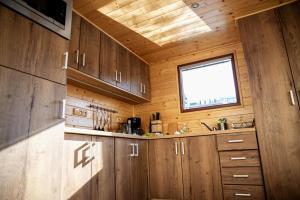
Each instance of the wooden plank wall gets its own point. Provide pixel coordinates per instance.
(165, 93)
(82, 98)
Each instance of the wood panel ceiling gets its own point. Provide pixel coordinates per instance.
(158, 30)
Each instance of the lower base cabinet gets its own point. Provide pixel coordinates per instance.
(185, 168)
(131, 169)
(88, 171)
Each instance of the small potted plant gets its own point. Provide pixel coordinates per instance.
(222, 124)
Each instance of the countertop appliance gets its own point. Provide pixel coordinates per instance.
(55, 15)
(134, 124)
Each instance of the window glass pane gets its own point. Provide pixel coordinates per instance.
(210, 83)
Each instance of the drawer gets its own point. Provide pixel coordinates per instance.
(247, 158)
(243, 192)
(237, 141)
(242, 176)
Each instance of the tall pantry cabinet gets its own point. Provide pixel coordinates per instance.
(32, 82)
(272, 47)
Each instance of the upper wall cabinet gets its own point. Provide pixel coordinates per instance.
(103, 65)
(85, 47)
(31, 48)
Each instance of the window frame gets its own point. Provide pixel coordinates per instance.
(186, 66)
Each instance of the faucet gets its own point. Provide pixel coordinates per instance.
(206, 126)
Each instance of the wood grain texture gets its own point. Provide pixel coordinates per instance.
(201, 168)
(31, 48)
(237, 141)
(74, 54)
(165, 93)
(90, 48)
(277, 121)
(165, 170)
(256, 192)
(103, 169)
(123, 67)
(254, 176)
(291, 31)
(250, 158)
(163, 29)
(81, 98)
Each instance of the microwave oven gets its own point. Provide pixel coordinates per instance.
(55, 15)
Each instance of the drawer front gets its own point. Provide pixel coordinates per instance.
(242, 176)
(248, 158)
(237, 141)
(243, 192)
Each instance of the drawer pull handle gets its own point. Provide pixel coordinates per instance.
(240, 176)
(242, 195)
(238, 158)
(235, 141)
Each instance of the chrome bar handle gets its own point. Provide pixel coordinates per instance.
(141, 87)
(66, 55)
(182, 148)
(77, 56)
(176, 148)
(137, 150)
(62, 109)
(240, 176)
(238, 158)
(242, 195)
(144, 89)
(83, 59)
(292, 97)
(132, 153)
(235, 141)
(116, 75)
(120, 73)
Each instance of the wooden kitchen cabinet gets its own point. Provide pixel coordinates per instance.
(74, 53)
(108, 68)
(271, 67)
(165, 169)
(31, 48)
(123, 68)
(88, 171)
(131, 168)
(145, 80)
(201, 168)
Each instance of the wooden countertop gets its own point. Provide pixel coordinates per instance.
(121, 135)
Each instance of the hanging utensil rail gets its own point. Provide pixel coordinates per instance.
(102, 108)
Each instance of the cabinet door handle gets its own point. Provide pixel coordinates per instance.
(292, 98)
(77, 56)
(238, 158)
(83, 59)
(141, 87)
(116, 73)
(132, 153)
(182, 148)
(66, 55)
(120, 77)
(240, 176)
(62, 109)
(144, 89)
(242, 195)
(137, 150)
(176, 148)
(235, 141)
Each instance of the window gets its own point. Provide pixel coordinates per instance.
(208, 84)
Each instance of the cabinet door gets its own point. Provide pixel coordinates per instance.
(89, 49)
(15, 106)
(136, 85)
(77, 167)
(139, 169)
(74, 54)
(123, 68)
(277, 120)
(165, 169)
(31, 48)
(145, 80)
(201, 168)
(123, 156)
(290, 22)
(108, 68)
(103, 175)
(45, 142)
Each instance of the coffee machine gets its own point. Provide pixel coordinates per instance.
(134, 126)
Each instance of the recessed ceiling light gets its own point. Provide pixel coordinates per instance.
(195, 5)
